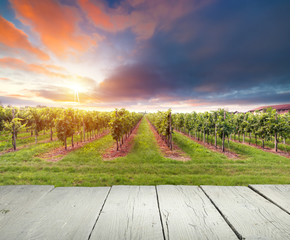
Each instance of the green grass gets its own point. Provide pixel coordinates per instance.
(269, 144)
(144, 165)
(250, 153)
(6, 136)
(7, 144)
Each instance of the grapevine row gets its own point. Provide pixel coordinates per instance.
(264, 125)
(122, 124)
(161, 121)
(67, 123)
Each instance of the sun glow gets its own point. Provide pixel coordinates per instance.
(76, 89)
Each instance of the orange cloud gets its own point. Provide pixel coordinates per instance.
(44, 69)
(13, 37)
(18, 64)
(54, 67)
(145, 17)
(5, 79)
(55, 23)
(96, 14)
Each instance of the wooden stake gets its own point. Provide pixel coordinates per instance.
(13, 129)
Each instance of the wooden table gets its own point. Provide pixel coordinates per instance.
(145, 212)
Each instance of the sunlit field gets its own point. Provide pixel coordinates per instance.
(144, 165)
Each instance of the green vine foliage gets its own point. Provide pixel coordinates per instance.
(122, 123)
(264, 125)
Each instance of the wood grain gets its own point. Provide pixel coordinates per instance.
(130, 212)
(64, 213)
(16, 200)
(251, 215)
(188, 214)
(278, 194)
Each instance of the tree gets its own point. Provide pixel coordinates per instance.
(64, 126)
(162, 122)
(13, 125)
(50, 115)
(263, 128)
(36, 118)
(116, 127)
(224, 127)
(121, 123)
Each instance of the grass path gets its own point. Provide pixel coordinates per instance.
(145, 149)
(143, 166)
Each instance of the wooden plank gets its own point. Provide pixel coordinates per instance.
(187, 213)
(250, 215)
(16, 199)
(130, 212)
(64, 213)
(278, 194)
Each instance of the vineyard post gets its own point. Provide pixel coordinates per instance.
(276, 140)
(223, 146)
(35, 134)
(244, 129)
(118, 136)
(51, 133)
(72, 136)
(215, 137)
(84, 129)
(170, 131)
(13, 130)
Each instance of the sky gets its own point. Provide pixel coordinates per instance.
(145, 55)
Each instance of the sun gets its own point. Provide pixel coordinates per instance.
(76, 89)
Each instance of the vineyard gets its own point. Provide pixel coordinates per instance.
(265, 126)
(29, 135)
(66, 123)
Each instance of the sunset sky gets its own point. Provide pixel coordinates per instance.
(145, 55)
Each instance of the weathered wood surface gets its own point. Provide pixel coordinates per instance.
(130, 212)
(250, 215)
(188, 214)
(64, 213)
(16, 200)
(144, 212)
(278, 194)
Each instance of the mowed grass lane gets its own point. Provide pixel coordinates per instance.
(252, 166)
(143, 166)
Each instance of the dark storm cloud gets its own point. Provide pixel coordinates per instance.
(133, 81)
(227, 51)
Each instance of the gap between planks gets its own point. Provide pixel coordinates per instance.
(100, 213)
(158, 205)
(224, 217)
(253, 187)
